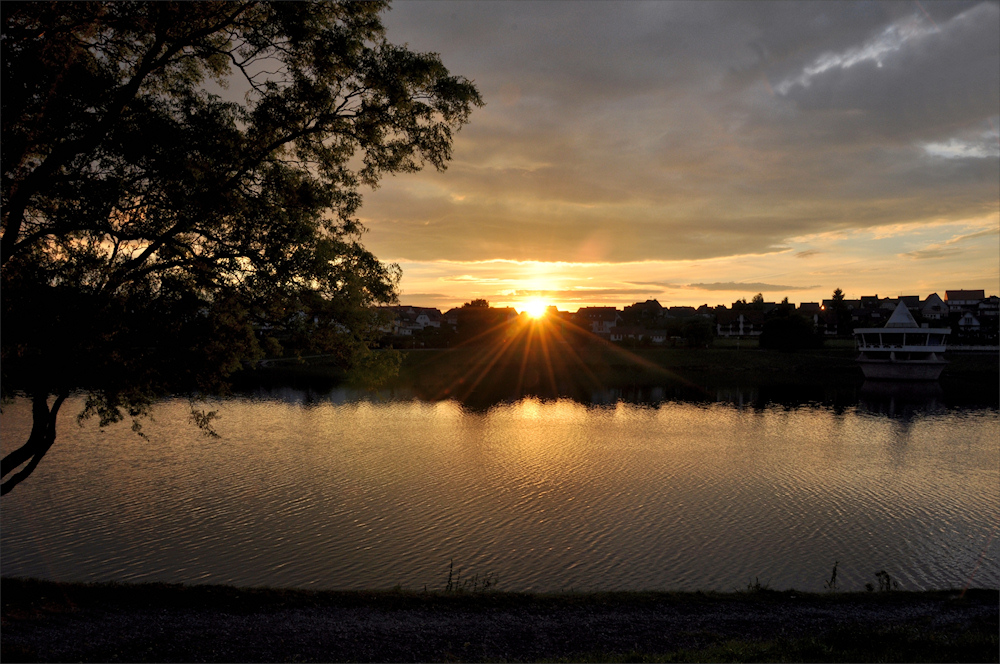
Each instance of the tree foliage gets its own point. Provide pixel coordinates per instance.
(789, 332)
(841, 312)
(155, 233)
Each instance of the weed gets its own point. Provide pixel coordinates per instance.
(885, 582)
(488, 581)
(831, 585)
(756, 586)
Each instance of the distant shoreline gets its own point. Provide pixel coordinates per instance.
(485, 374)
(46, 621)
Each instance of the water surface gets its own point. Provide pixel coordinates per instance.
(329, 490)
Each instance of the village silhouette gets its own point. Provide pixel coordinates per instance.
(972, 316)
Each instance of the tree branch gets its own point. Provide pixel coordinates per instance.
(43, 434)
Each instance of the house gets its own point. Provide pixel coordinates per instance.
(635, 334)
(739, 323)
(989, 307)
(451, 317)
(506, 313)
(642, 311)
(964, 300)
(809, 308)
(682, 312)
(657, 336)
(627, 333)
(934, 308)
(405, 320)
(968, 323)
(598, 320)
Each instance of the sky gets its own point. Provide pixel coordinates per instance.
(702, 152)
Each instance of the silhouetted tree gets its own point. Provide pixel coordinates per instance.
(841, 312)
(789, 332)
(155, 235)
(697, 332)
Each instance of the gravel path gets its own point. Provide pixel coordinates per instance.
(50, 622)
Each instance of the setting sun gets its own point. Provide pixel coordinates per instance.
(535, 308)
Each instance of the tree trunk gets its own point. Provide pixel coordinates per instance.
(43, 434)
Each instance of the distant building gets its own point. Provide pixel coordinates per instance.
(405, 320)
(934, 308)
(962, 297)
(681, 312)
(964, 300)
(642, 311)
(635, 334)
(598, 320)
(739, 323)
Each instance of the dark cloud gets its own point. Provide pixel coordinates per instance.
(807, 253)
(657, 284)
(622, 132)
(933, 252)
(738, 286)
(914, 78)
(578, 293)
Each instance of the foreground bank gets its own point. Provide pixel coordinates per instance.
(45, 621)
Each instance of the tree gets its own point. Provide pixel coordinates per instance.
(842, 313)
(156, 235)
(789, 332)
(697, 332)
(478, 323)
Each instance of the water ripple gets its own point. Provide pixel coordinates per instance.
(550, 495)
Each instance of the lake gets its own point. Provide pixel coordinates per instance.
(337, 490)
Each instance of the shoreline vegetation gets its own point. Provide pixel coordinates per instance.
(48, 621)
(481, 375)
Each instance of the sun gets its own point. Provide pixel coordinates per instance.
(535, 308)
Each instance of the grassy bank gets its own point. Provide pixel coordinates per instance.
(158, 622)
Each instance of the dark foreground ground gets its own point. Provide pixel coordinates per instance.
(45, 621)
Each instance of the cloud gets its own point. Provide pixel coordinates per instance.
(912, 75)
(575, 293)
(957, 148)
(948, 248)
(808, 253)
(624, 132)
(658, 284)
(754, 286)
(933, 252)
(468, 278)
